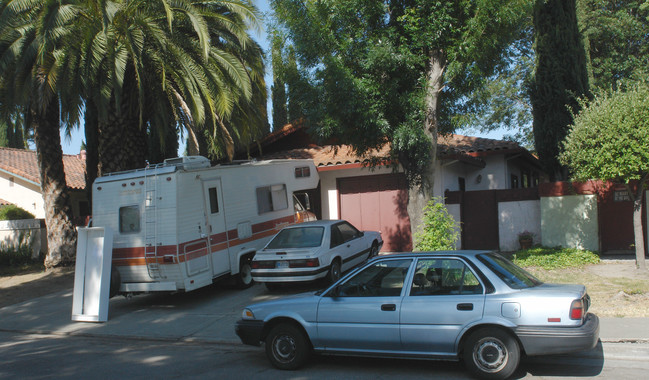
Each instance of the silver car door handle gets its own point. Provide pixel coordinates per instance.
(389, 307)
(465, 306)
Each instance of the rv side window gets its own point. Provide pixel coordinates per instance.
(271, 198)
(214, 201)
(129, 219)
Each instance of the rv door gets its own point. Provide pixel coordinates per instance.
(215, 226)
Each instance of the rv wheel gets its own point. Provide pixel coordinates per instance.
(244, 278)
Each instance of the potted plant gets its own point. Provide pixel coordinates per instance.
(526, 239)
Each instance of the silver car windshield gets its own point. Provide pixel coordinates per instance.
(511, 274)
(300, 237)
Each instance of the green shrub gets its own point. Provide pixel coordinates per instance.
(439, 231)
(13, 212)
(13, 256)
(555, 258)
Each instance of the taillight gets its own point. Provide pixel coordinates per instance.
(308, 263)
(262, 265)
(577, 309)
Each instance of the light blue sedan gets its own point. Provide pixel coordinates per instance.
(473, 306)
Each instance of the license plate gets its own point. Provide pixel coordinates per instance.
(281, 265)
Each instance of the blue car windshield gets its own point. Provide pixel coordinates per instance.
(298, 237)
(511, 274)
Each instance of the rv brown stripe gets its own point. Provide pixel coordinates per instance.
(133, 256)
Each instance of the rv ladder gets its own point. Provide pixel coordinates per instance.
(151, 223)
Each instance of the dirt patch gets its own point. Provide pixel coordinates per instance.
(616, 287)
(22, 287)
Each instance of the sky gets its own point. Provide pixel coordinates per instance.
(72, 144)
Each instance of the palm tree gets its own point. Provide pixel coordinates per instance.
(30, 38)
(161, 66)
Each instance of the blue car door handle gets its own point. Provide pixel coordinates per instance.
(389, 307)
(465, 306)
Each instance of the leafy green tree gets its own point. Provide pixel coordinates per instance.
(439, 231)
(616, 35)
(610, 141)
(12, 134)
(377, 71)
(561, 78)
(31, 36)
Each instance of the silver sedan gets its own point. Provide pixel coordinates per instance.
(473, 306)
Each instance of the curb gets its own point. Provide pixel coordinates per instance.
(231, 343)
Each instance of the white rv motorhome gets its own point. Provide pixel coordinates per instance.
(181, 224)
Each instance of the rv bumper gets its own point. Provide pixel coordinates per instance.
(136, 287)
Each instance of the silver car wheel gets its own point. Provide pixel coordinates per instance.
(284, 348)
(490, 355)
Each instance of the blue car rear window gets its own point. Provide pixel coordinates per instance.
(511, 274)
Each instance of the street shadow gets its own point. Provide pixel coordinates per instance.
(580, 364)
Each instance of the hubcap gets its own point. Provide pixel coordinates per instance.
(335, 271)
(490, 355)
(284, 348)
(246, 274)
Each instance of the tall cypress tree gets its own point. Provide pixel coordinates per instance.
(278, 90)
(561, 78)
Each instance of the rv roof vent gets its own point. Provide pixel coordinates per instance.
(189, 162)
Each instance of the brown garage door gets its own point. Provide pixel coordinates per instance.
(378, 203)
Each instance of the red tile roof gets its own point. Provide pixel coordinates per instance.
(449, 146)
(4, 203)
(474, 146)
(23, 163)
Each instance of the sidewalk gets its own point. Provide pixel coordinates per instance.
(206, 315)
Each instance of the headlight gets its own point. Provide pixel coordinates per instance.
(247, 314)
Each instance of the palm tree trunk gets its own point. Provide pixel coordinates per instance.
(61, 234)
(122, 141)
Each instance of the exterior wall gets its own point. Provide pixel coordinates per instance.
(570, 221)
(492, 177)
(23, 194)
(516, 217)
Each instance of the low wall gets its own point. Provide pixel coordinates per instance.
(570, 221)
(13, 233)
(517, 217)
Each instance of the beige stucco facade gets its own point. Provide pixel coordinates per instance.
(22, 193)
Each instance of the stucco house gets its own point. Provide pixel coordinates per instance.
(376, 198)
(20, 182)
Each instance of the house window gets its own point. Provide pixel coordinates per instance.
(302, 172)
(11, 181)
(129, 219)
(461, 183)
(525, 180)
(271, 198)
(514, 180)
(535, 179)
(214, 200)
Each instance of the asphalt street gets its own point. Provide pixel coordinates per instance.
(192, 335)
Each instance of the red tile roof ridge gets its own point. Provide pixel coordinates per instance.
(23, 163)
